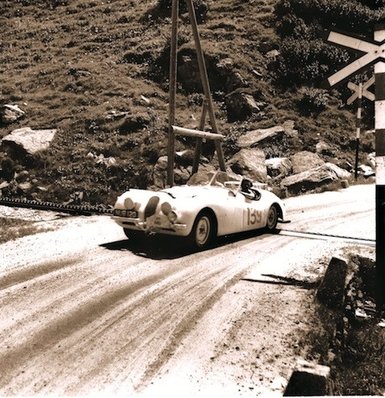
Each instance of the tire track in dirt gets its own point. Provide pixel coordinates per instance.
(162, 323)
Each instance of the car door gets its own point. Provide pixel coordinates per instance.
(253, 211)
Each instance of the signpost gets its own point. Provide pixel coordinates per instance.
(359, 92)
(374, 53)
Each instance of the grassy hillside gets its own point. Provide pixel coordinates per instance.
(97, 71)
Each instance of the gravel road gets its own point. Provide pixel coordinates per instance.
(85, 312)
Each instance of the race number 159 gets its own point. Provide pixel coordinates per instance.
(253, 216)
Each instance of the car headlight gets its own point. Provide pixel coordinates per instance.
(129, 203)
(166, 208)
(172, 216)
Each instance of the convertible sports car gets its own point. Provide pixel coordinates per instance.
(209, 206)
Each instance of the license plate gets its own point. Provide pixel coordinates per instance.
(131, 214)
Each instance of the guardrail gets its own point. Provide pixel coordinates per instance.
(86, 210)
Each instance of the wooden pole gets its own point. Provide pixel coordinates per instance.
(205, 81)
(198, 144)
(358, 126)
(379, 73)
(172, 93)
(197, 133)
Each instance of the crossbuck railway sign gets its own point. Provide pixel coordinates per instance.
(361, 91)
(373, 54)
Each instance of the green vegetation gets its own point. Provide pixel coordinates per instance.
(302, 25)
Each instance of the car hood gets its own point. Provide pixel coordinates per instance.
(186, 191)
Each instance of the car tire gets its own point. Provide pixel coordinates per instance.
(134, 236)
(203, 231)
(272, 219)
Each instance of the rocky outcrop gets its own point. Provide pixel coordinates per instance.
(250, 163)
(304, 161)
(28, 142)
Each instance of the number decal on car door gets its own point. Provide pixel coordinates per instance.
(253, 216)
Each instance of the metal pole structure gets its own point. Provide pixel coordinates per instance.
(358, 126)
(379, 72)
(198, 144)
(205, 81)
(172, 93)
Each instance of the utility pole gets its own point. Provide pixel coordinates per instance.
(172, 93)
(379, 74)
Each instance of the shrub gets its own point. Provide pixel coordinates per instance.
(313, 101)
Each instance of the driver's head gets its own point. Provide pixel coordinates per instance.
(246, 184)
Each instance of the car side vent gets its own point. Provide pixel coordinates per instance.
(151, 206)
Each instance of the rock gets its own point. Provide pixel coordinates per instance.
(22, 176)
(308, 180)
(181, 173)
(132, 123)
(25, 186)
(264, 136)
(28, 141)
(367, 171)
(10, 113)
(305, 160)
(371, 159)
(272, 55)
(308, 379)
(278, 167)
(250, 163)
(324, 149)
(185, 158)
(340, 173)
(332, 288)
(254, 137)
(240, 106)
(4, 184)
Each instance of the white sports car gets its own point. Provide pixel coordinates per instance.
(200, 211)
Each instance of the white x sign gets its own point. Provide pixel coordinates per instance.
(365, 93)
(373, 52)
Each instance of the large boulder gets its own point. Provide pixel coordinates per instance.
(309, 179)
(304, 161)
(249, 162)
(340, 173)
(261, 137)
(28, 142)
(278, 167)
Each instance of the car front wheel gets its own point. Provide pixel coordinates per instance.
(272, 219)
(202, 231)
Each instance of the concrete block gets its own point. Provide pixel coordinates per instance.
(308, 379)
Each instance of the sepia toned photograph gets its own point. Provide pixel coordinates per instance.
(192, 198)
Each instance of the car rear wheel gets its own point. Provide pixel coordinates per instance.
(134, 236)
(272, 219)
(202, 232)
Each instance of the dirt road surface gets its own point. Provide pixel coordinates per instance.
(85, 312)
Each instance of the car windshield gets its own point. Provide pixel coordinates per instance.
(209, 178)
